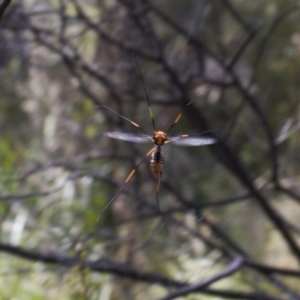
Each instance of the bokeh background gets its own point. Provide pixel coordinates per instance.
(229, 221)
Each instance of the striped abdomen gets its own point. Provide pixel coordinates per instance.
(156, 162)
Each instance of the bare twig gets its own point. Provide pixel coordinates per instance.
(3, 6)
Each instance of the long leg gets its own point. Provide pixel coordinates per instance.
(176, 120)
(157, 189)
(157, 201)
(125, 182)
(179, 116)
(147, 97)
(133, 123)
(185, 135)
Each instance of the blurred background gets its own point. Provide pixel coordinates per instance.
(229, 221)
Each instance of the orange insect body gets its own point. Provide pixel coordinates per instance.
(157, 159)
(156, 162)
(159, 138)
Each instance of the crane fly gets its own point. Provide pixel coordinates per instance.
(159, 138)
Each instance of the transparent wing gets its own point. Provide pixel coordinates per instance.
(129, 137)
(191, 141)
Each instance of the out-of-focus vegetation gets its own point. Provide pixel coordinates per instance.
(229, 221)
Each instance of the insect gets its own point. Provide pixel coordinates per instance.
(159, 139)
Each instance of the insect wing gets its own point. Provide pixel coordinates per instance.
(192, 141)
(129, 137)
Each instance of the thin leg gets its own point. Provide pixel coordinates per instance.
(176, 120)
(144, 87)
(157, 188)
(157, 201)
(125, 182)
(133, 123)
